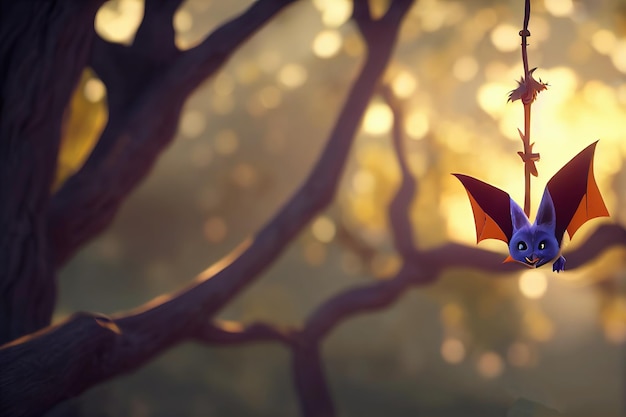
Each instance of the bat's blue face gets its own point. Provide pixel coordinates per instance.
(534, 244)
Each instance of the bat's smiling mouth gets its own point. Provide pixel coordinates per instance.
(532, 261)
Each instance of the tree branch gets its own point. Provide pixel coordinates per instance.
(222, 332)
(139, 79)
(125, 342)
(382, 293)
(400, 207)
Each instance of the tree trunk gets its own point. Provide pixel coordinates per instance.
(44, 46)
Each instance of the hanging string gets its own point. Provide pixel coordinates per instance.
(527, 91)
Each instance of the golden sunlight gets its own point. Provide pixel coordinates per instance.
(457, 211)
(505, 37)
(416, 124)
(491, 97)
(403, 84)
(334, 12)
(378, 118)
(363, 181)
(118, 21)
(465, 68)
(183, 20)
(327, 43)
(559, 8)
(603, 41)
(618, 55)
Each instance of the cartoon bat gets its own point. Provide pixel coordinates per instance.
(570, 198)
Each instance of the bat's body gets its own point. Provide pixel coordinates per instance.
(570, 199)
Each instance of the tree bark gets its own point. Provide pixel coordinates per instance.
(43, 49)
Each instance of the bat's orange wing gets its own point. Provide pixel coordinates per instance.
(575, 194)
(491, 207)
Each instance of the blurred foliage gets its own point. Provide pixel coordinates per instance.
(469, 343)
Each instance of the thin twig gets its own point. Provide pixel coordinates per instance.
(525, 33)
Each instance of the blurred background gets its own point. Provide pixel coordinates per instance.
(469, 344)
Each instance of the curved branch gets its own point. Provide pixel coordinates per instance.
(380, 294)
(400, 207)
(223, 332)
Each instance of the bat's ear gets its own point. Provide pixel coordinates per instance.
(546, 215)
(518, 217)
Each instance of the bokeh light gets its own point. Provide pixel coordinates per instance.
(94, 90)
(378, 119)
(183, 20)
(334, 12)
(323, 228)
(559, 8)
(533, 284)
(417, 124)
(490, 365)
(118, 21)
(244, 175)
(404, 84)
(452, 351)
(603, 41)
(505, 37)
(215, 229)
(327, 43)
(192, 124)
(292, 75)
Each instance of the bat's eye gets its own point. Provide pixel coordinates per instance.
(542, 245)
(521, 245)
